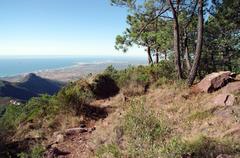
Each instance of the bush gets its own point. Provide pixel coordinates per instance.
(44, 106)
(136, 80)
(112, 72)
(11, 118)
(144, 130)
(200, 147)
(104, 86)
(133, 89)
(109, 150)
(36, 152)
(76, 95)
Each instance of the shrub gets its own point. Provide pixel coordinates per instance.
(104, 86)
(2, 110)
(109, 150)
(174, 148)
(144, 130)
(36, 152)
(200, 147)
(44, 106)
(134, 81)
(11, 118)
(164, 69)
(112, 72)
(133, 89)
(76, 95)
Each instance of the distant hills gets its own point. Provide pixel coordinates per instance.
(30, 86)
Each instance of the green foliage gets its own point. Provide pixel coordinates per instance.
(136, 80)
(109, 150)
(11, 118)
(164, 69)
(174, 148)
(41, 107)
(221, 51)
(76, 95)
(144, 130)
(44, 107)
(104, 85)
(112, 72)
(200, 115)
(2, 110)
(36, 152)
(199, 147)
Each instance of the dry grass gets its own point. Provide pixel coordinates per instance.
(133, 89)
(192, 114)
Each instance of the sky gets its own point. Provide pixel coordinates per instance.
(61, 27)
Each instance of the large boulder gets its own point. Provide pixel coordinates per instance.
(227, 96)
(225, 99)
(214, 81)
(233, 87)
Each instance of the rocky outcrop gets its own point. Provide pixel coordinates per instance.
(214, 81)
(233, 87)
(225, 99)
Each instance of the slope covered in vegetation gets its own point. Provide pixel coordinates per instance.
(137, 112)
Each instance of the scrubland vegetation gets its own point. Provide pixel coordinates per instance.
(158, 118)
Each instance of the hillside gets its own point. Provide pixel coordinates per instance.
(31, 86)
(129, 113)
(39, 85)
(8, 89)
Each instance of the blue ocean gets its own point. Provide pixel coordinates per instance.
(11, 66)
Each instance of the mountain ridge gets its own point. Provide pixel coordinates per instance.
(30, 86)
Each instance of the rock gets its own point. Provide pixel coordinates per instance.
(214, 81)
(59, 138)
(233, 87)
(224, 156)
(72, 131)
(225, 99)
(238, 77)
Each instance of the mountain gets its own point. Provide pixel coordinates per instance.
(31, 86)
(39, 85)
(8, 89)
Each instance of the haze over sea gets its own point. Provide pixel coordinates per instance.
(11, 66)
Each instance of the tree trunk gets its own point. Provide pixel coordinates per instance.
(198, 53)
(157, 57)
(165, 55)
(187, 59)
(150, 60)
(176, 41)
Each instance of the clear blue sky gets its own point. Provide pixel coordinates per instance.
(60, 27)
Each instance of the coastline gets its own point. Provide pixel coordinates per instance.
(71, 73)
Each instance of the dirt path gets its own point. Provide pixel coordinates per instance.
(79, 144)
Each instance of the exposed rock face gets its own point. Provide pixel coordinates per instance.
(214, 81)
(227, 96)
(226, 99)
(233, 87)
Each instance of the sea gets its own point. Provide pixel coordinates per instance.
(12, 66)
